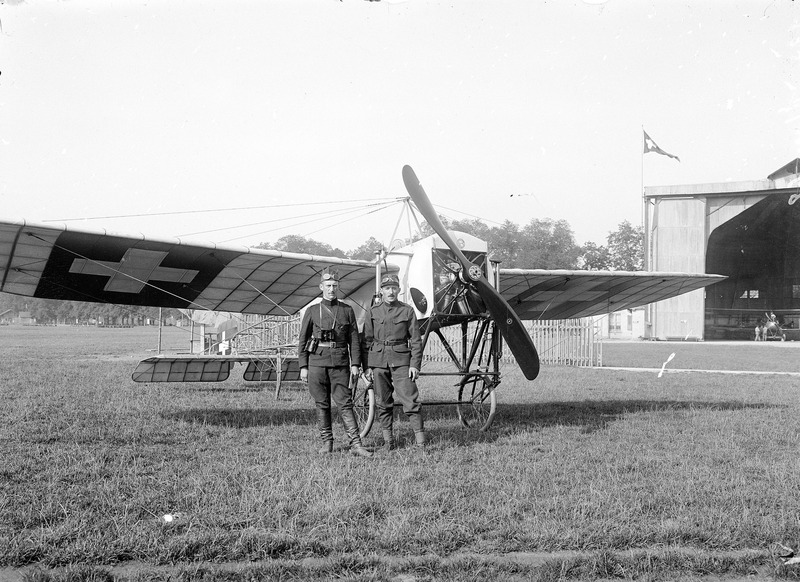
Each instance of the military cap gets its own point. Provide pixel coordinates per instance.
(390, 280)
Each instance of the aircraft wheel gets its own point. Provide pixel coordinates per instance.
(477, 402)
(364, 405)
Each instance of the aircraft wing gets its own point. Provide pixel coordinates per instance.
(544, 294)
(59, 262)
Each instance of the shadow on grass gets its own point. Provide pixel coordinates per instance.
(255, 417)
(245, 418)
(221, 388)
(593, 415)
(588, 415)
(236, 386)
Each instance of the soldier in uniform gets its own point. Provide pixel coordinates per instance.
(393, 359)
(329, 352)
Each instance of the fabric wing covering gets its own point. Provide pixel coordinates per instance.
(543, 294)
(57, 262)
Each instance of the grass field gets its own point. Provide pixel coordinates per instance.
(586, 473)
(755, 356)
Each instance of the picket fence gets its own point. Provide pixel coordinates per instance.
(570, 342)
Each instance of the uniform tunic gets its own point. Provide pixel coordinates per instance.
(394, 344)
(329, 365)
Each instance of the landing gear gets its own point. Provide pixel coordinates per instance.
(478, 367)
(363, 403)
(477, 402)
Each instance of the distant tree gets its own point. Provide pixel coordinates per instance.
(70, 312)
(504, 244)
(626, 247)
(542, 243)
(503, 240)
(476, 227)
(366, 252)
(594, 257)
(548, 244)
(426, 229)
(295, 243)
(9, 301)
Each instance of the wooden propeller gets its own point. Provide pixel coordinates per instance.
(506, 319)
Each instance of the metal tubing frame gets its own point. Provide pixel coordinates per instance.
(467, 357)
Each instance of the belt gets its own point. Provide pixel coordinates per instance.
(393, 342)
(333, 344)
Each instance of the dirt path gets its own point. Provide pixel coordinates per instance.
(761, 564)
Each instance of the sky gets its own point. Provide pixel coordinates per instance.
(243, 121)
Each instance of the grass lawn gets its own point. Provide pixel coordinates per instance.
(600, 473)
(755, 356)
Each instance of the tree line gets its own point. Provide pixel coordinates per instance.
(540, 244)
(54, 311)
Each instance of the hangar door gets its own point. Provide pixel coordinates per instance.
(759, 251)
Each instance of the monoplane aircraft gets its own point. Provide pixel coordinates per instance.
(770, 328)
(449, 278)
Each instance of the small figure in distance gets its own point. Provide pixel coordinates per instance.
(329, 352)
(393, 360)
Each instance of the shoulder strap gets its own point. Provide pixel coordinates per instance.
(333, 314)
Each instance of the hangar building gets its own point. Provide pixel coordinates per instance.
(748, 231)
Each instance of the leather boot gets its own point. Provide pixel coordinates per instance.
(325, 427)
(351, 428)
(419, 430)
(388, 440)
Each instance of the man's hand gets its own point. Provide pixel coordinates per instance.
(368, 374)
(304, 375)
(413, 373)
(354, 371)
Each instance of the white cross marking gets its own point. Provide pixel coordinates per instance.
(136, 269)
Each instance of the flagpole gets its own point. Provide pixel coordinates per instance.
(644, 206)
(648, 146)
(646, 229)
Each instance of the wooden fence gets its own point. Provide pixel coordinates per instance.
(570, 342)
(567, 342)
(258, 333)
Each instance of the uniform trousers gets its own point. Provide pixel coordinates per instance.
(324, 383)
(395, 379)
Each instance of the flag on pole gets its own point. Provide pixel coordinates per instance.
(651, 146)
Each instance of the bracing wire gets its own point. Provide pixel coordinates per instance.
(481, 218)
(375, 205)
(210, 210)
(363, 214)
(285, 224)
(304, 222)
(361, 210)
